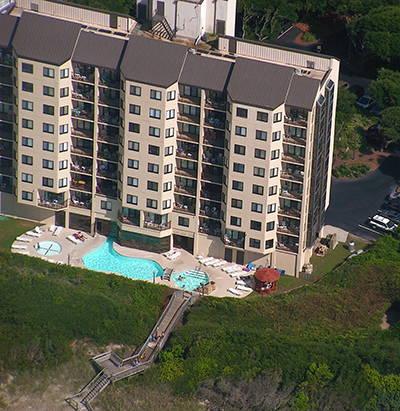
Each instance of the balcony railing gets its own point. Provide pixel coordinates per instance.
(234, 242)
(107, 174)
(6, 60)
(114, 102)
(186, 172)
(292, 176)
(81, 185)
(155, 226)
(187, 118)
(189, 99)
(186, 154)
(214, 122)
(188, 137)
(84, 78)
(288, 229)
(82, 133)
(292, 158)
(296, 121)
(128, 220)
(213, 178)
(184, 208)
(108, 192)
(82, 96)
(114, 139)
(296, 195)
(219, 105)
(82, 151)
(293, 248)
(53, 204)
(212, 212)
(6, 188)
(108, 120)
(87, 115)
(287, 138)
(290, 212)
(6, 98)
(210, 231)
(75, 202)
(211, 195)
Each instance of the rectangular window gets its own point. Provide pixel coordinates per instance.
(170, 114)
(27, 124)
(64, 73)
(168, 168)
(27, 178)
(168, 151)
(271, 208)
(259, 190)
(135, 91)
(153, 168)
(256, 207)
(171, 95)
(133, 145)
(261, 116)
(154, 113)
(274, 172)
(134, 109)
(155, 95)
(241, 131)
(106, 205)
(191, 91)
(152, 186)
(48, 128)
(47, 182)
(27, 105)
(133, 164)
(169, 132)
(154, 150)
(183, 221)
(236, 221)
(28, 87)
(276, 136)
(273, 190)
(254, 243)
(27, 68)
(26, 195)
(62, 147)
(241, 112)
(236, 203)
(63, 164)
(151, 203)
(64, 92)
(166, 204)
(134, 128)
(237, 185)
(269, 244)
(133, 182)
(274, 154)
(154, 131)
(271, 225)
(48, 110)
(240, 149)
(132, 199)
(255, 225)
(49, 164)
(260, 153)
(64, 111)
(238, 167)
(63, 182)
(167, 186)
(277, 117)
(64, 129)
(261, 135)
(48, 72)
(27, 142)
(48, 91)
(259, 172)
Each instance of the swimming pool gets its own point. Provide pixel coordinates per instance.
(105, 258)
(190, 279)
(49, 248)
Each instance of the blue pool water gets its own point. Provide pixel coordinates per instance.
(105, 258)
(49, 248)
(190, 279)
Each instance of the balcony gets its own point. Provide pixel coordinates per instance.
(83, 184)
(84, 114)
(107, 170)
(82, 133)
(211, 156)
(296, 121)
(7, 116)
(292, 158)
(209, 227)
(212, 177)
(84, 151)
(292, 174)
(215, 100)
(214, 122)
(188, 137)
(290, 212)
(108, 138)
(109, 78)
(5, 58)
(128, 216)
(108, 153)
(290, 139)
(78, 202)
(158, 227)
(6, 76)
(107, 100)
(106, 188)
(209, 210)
(287, 246)
(55, 204)
(6, 188)
(182, 188)
(85, 78)
(186, 172)
(234, 238)
(291, 194)
(181, 207)
(5, 96)
(211, 194)
(288, 228)
(189, 118)
(214, 138)
(187, 150)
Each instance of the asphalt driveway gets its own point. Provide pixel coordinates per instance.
(353, 201)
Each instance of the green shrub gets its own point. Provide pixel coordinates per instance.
(308, 37)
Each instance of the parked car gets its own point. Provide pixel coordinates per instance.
(382, 223)
(395, 193)
(357, 90)
(344, 84)
(394, 204)
(366, 101)
(375, 136)
(391, 215)
(376, 110)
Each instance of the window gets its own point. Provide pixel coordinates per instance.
(190, 128)
(132, 181)
(169, 132)
(133, 145)
(48, 128)
(27, 142)
(48, 72)
(168, 151)
(269, 243)
(258, 153)
(271, 225)
(64, 128)
(191, 110)
(258, 189)
(62, 147)
(135, 91)
(64, 92)
(152, 186)
(240, 149)
(261, 116)
(276, 136)
(171, 95)
(183, 221)
(154, 113)
(274, 172)
(241, 112)
(28, 87)
(27, 105)
(154, 150)
(151, 203)
(26, 195)
(235, 203)
(49, 164)
(239, 168)
(241, 131)
(256, 207)
(168, 168)
(167, 186)
(277, 117)
(48, 110)
(47, 182)
(170, 114)
(237, 185)
(154, 131)
(255, 225)
(63, 182)
(27, 124)
(271, 208)
(134, 128)
(132, 199)
(64, 73)
(134, 109)
(64, 111)
(153, 168)
(166, 204)
(27, 68)
(236, 221)
(274, 154)
(48, 91)
(273, 190)
(106, 205)
(261, 135)
(27, 178)
(155, 95)
(133, 164)
(255, 243)
(63, 164)
(259, 172)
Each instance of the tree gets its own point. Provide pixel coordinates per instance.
(386, 88)
(391, 123)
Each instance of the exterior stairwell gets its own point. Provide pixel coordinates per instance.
(161, 27)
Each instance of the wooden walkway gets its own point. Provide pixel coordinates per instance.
(114, 368)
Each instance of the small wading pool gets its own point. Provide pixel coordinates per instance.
(190, 279)
(49, 248)
(105, 258)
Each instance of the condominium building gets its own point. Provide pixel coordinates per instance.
(226, 153)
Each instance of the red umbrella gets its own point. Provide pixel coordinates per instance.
(267, 275)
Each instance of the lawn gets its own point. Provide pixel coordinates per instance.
(10, 228)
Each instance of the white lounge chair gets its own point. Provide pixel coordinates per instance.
(73, 239)
(227, 269)
(174, 256)
(206, 260)
(240, 282)
(33, 234)
(24, 239)
(243, 288)
(200, 256)
(233, 269)
(19, 247)
(38, 230)
(169, 253)
(58, 231)
(52, 228)
(237, 274)
(26, 252)
(220, 263)
(236, 292)
(213, 261)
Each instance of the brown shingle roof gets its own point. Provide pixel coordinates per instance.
(7, 26)
(258, 83)
(153, 62)
(98, 50)
(45, 39)
(302, 92)
(205, 72)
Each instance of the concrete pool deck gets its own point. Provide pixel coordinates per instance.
(74, 253)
